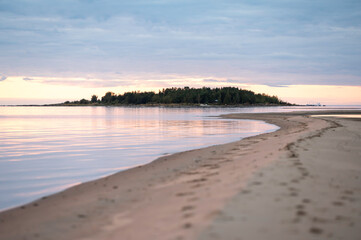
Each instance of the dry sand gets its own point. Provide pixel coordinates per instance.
(300, 182)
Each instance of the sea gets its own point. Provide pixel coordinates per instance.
(44, 150)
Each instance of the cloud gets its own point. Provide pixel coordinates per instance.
(210, 80)
(27, 79)
(276, 85)
(223, 39)
(2, 78)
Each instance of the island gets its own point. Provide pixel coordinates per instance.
(183, 96)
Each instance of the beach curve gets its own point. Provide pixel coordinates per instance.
(200, 193)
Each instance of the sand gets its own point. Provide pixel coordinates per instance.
(300, 182)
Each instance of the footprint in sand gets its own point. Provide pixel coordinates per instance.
(297, 163)
(301, 213)
(300, 210)
(246, 191)
(210, 166)
(182, 194)
(347, 198)
(337, 203)
(198, 180)
(187, 225)
(293, 194)
(196, 186)
(192, 199)
(315, 230)
(188, 215)
(348, 192)
(320, 220)
(188, 207)
(190, 173)
(211, 174)
(256, 183)
(295, 180)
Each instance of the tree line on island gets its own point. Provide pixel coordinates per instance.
(186, 96)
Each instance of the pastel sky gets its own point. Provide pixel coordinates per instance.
(303, 51)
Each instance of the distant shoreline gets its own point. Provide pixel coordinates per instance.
(157, 105)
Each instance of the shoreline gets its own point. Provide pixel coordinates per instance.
(173, 197)
(170, 105)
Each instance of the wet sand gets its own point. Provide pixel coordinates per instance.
(300, 182)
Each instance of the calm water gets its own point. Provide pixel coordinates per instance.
(47, 149)
(339, 116)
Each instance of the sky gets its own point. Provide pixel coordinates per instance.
(302, 51)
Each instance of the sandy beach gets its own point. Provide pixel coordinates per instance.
(300, 182)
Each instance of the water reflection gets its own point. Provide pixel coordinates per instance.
(46, 149)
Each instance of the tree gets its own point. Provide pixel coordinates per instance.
(94, 99)
(227, 98)
(83, 101)
(108, 97)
